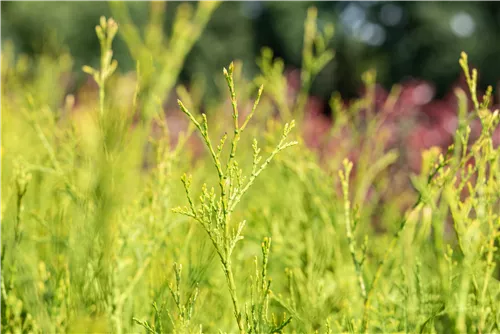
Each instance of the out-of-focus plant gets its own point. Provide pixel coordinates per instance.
(475, 222)
(106, 32)
(257, 317)
(160, 61)
(315, 56)
(180, 323)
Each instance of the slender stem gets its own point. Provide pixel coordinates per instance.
(281, 146)
(232, 290)
(17, 229)
(102, 78)
(347, 219)
(461, 326)
(489, 268)
(378, 273)
(101, 98)
(350, 241)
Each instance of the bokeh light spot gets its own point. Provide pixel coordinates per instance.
(372, 34)
(462, 24)
(391, 15)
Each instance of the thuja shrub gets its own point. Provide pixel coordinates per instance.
(94, 216)
(214, 212)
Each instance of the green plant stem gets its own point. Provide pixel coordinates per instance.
(460, 324)
(224, 244)
(280, 147)
(487, 275)
(102, 79)
(119, 303)
(3, 289)
(232, 290)
(226, 259)
(357, 265)
(17, 229)
(348, 227)
(101, 99)
(378, 273)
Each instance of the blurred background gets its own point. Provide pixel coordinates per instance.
(402, 40)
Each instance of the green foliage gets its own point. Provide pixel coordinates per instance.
(160, 61)
(315, 57)
(88, 228)
(214, 212)
(181, 323)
